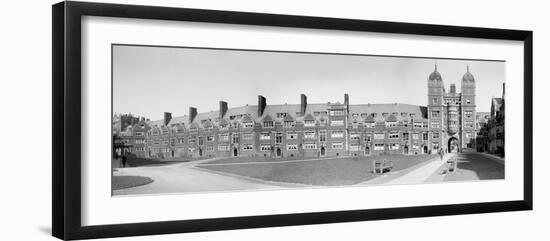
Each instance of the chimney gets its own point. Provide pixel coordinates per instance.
(261, 105)
(192, 114)
(167, 118)
(346, 103)
(303, 104)
(453, 89)
(223, 109)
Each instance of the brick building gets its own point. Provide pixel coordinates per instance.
(317, 129)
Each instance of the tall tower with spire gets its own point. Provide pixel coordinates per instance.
(436, 110)
(468, 94)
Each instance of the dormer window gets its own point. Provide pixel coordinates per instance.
(289, 123)
(249, 124)
(268, 124)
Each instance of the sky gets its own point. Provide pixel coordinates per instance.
(148, 80)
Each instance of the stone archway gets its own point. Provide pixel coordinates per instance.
(323, 151)
(452, 145)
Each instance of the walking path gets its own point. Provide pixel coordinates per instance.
(183, 177)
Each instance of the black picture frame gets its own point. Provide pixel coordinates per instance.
(66, 122)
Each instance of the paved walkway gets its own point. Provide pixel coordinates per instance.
(421, 173)
(183, 177)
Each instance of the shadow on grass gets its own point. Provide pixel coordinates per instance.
(140, 161)
(122, 182)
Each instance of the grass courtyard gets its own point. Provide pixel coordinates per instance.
(324, 172)
(139, 161)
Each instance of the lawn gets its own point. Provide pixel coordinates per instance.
(139, 161)
(121, 182)
(325, 172)
(260, 159)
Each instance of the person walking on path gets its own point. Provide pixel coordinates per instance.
(441, 153)
(124, 160)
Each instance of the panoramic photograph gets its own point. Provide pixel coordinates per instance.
(193, 120)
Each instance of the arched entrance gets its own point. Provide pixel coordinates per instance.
(425, 149)
(323, 151)
(367, 151)
(279, 152)
(200, 152)
(235, 151)
(406, 149)
(453, 144)
(172, 153)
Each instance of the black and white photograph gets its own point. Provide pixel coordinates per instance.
(193, 120)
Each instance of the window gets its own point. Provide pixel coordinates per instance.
(292, 146)
(224, 126)
(355, 136)
(337, 134)
(322, 136)
(192, 140)
(265, 136)
(394, 146)
(309, 123)
(415, 136)
(291, 135)
(249, 124)
(248, 136)
(405, 136)
(322, 122)
(379, 147)
(435, 114)
(369, 124)
(289, 124)
(425, 136)
(337, 123)
(394, 135)
(436, 124)
(354, 147)
(138, 134)
(209, 148)
(209, 138)
(281, 115)
(180, 140)
(310, 146)
(201, 140)
(248, 147)
(337, 145)
(268, 124)
(468, 101)
(417, 125)
(337, 112)
(309, 134)
(265, 147)
(235, 138)
(367, 137)
(279, 138)
(424, 124)
(435, 135)
(435, 101)
(223, 147)
(223, 137)
(379, 136)
(469, 124)
(391, 124)
(435, 146)
(468, 114)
